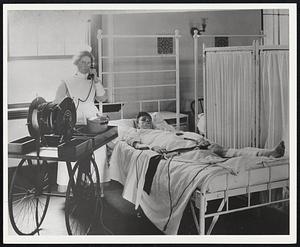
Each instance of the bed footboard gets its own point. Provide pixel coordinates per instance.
(202, 195)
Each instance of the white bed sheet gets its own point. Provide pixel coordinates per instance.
(129, 166)
(257, 176)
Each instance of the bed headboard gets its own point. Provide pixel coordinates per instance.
(140, 72)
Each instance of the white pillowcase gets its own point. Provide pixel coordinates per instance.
(157, 120)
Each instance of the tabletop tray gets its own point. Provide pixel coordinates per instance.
(101, 138)
(22, 146)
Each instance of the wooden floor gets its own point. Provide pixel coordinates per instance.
(120, 218)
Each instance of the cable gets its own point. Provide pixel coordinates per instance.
(172, 207)
(101, 219)
(101, 204)
(170, 197)
(136, 171)
(80, 100)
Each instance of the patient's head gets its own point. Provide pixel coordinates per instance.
(144, 121)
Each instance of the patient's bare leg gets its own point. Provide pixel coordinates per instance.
(218, 149)
(276, 152)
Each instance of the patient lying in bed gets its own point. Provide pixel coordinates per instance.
(177, 164)
(144, 135)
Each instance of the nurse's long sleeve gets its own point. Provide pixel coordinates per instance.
(61, 93)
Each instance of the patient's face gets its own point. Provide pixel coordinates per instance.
(144, 122)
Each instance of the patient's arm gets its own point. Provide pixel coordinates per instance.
(131, 138)
(140, 146)
(159, 149)
(203, 143)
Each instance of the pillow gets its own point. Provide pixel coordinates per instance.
(201, 124)
(159, 122)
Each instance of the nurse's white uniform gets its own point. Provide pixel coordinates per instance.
(80, 89)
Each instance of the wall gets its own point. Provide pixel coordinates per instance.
(218, 22)
(276, 26)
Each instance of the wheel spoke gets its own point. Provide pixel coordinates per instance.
(80, 204)
(27, 208)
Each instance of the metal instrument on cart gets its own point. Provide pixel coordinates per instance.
(55, 137)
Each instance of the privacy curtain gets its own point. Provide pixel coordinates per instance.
(230, 98)
(274, 115)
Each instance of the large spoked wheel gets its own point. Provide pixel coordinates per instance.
(29, 197)
(81, 201)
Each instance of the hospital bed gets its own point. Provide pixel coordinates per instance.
(215, 181)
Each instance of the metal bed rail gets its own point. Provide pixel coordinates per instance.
(202, 196)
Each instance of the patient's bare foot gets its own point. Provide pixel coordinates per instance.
(278, 151)
(217, 149)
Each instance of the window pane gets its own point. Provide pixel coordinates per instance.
(51, 33)
(22, 37)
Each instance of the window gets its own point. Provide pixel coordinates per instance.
(46, 33)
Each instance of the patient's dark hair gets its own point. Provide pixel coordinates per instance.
(143, 114)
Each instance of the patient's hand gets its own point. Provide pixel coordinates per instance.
(141, 146)
(203, 143)
(159, 149)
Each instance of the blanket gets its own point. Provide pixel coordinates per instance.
(175, 178)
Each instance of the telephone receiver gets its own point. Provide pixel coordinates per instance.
(90, 75)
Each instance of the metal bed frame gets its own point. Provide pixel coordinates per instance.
(201, 197)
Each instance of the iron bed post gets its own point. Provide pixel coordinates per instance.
(202, 211)
(99, 38)
(177, 80)
(196, 77)
(257, 92)
(204, 85)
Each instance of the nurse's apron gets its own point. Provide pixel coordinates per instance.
(82, 91)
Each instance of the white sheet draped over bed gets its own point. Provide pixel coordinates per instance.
(174, 180)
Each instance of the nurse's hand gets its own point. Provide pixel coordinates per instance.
(94, 72)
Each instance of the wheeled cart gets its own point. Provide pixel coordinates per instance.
(30, 187)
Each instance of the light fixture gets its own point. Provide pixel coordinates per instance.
(199, 31)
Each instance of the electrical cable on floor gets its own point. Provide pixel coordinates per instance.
(101, 219)
(102, 206)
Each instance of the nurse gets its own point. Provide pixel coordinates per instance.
(84, 87)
